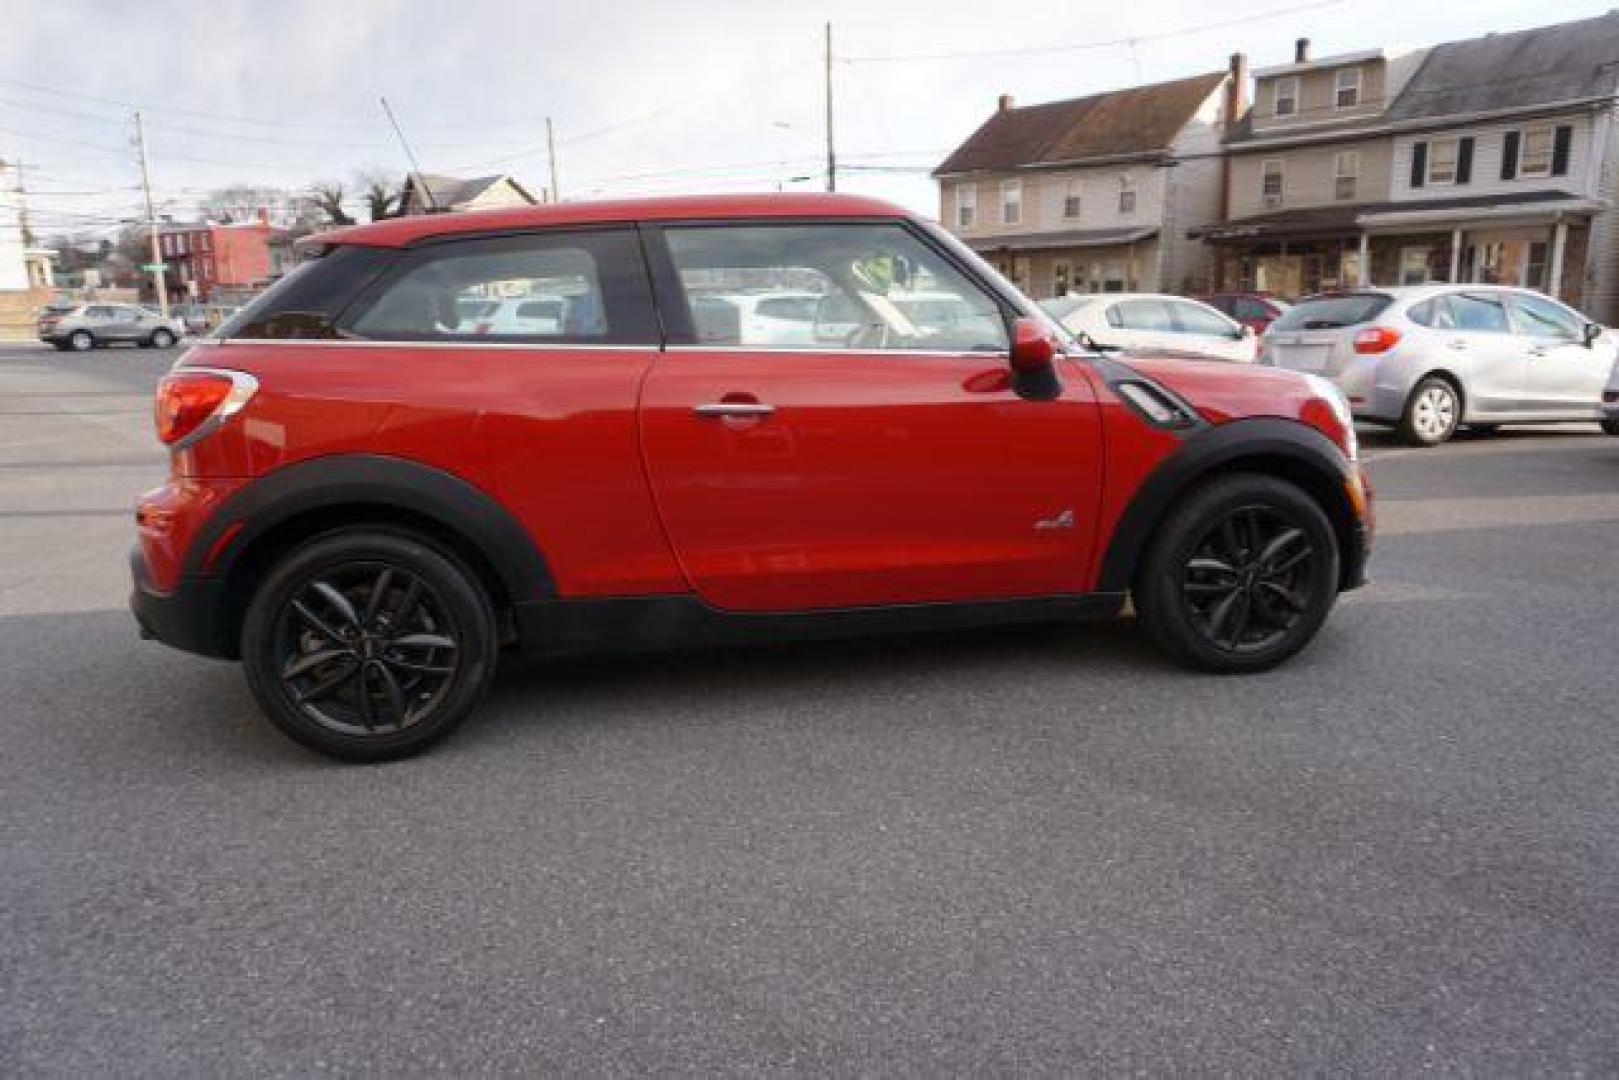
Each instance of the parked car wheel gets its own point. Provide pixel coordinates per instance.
(368, 645)
(1431, 412)
(162, 339)
(1240, 576)
(81, 341)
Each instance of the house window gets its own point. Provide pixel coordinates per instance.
(1011, 201)
(1070, 200)
(966, 205)
(1286, 97)
(1346, 88)
(1127, 196)
(1270, 184)
(1442, 154)
(1535, 159)
(1345, 172)
(1413, 265)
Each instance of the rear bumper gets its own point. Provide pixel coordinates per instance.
(191, 617)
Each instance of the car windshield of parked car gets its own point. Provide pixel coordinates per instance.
(1333, 312)
(872, 287)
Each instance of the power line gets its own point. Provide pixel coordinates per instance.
(1042, 50)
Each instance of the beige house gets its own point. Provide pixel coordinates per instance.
(426, 193)
(1488, 160)
(1100, 193)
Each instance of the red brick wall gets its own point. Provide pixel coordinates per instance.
(241, 254)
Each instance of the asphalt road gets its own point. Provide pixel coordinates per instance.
(1038, 851)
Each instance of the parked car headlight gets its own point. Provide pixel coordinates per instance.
(1328, 391)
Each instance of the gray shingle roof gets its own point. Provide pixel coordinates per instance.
(1548, 64)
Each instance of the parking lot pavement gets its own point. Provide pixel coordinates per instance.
(1032, 850)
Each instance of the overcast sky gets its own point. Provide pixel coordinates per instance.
(649, 97)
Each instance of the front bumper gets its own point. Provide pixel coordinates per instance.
(192, 617)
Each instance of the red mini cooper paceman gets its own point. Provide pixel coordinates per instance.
(676, 421)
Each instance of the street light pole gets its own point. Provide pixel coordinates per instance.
(151, 220)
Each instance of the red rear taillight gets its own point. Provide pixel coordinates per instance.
(1376, 339)
(191, 402)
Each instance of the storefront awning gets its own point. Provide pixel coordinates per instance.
(1073, 238)
(1517, 205)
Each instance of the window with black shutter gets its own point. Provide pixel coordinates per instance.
(1560, 148)
(1464, 161)
(1419, 164)
(1509, 155)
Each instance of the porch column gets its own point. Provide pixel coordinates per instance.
(1365, 270)
(1554, 281)
(1455, 255)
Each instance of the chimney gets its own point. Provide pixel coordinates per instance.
(1301, 51)
(1236, 91)
(1004, 103)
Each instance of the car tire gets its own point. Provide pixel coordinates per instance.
(81, 341)
(162, 339)
(1432, 412)
(1610, 424)
(362, 675)
(1240, 575)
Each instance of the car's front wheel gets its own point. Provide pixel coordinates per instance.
(162, 339)
(369, 645)
(1241, 574)
(81, 341)
(1432, 412)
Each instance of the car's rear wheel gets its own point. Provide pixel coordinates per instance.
(162, 339)
(1241, 574)
(1432, 412)
(369, 645)
(81, 341)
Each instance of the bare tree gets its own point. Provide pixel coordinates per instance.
(244, 202)
(329, 199)
(380, 191)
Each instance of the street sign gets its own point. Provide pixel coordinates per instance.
(152, 268)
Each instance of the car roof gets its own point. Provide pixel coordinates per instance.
(398, 232)
(1142, 296)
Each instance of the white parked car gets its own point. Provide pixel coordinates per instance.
(1429, 358)
(541, 315)
(1153, 323)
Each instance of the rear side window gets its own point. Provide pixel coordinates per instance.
(1333, 312)
(586, 287)
(1434, 314)
(1152, 315)
(1480, 313)
(306, 302)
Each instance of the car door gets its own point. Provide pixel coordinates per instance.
(1565, 375)
(1209, 333)
(891, 463)
(126, 323)
(1473, 339)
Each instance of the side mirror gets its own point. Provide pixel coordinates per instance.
(1033, 349)
(1592, 332)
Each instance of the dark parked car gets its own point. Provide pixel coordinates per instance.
(1252, 309)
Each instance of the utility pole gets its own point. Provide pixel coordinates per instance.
(551, 153)
(151, 219)
(831, 153)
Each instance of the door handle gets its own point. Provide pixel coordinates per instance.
(733, 408)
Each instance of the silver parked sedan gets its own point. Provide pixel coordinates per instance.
(88, 325)
(1429, 358)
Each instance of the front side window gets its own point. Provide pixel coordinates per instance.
(1346, 88)
(1270, 184)
(1536, 156)
(1011, 202)
(1442, 156)
(579, 287)
(868, 288)
(1346, 172)
(1541, 318)
(1154, 315)
(1286, 99)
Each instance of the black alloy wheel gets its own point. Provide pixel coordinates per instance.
(369, 646)
(1240, 575)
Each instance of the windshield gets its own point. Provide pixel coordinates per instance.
(1333, 312)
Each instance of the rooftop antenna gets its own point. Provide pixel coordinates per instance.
(427, 191)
